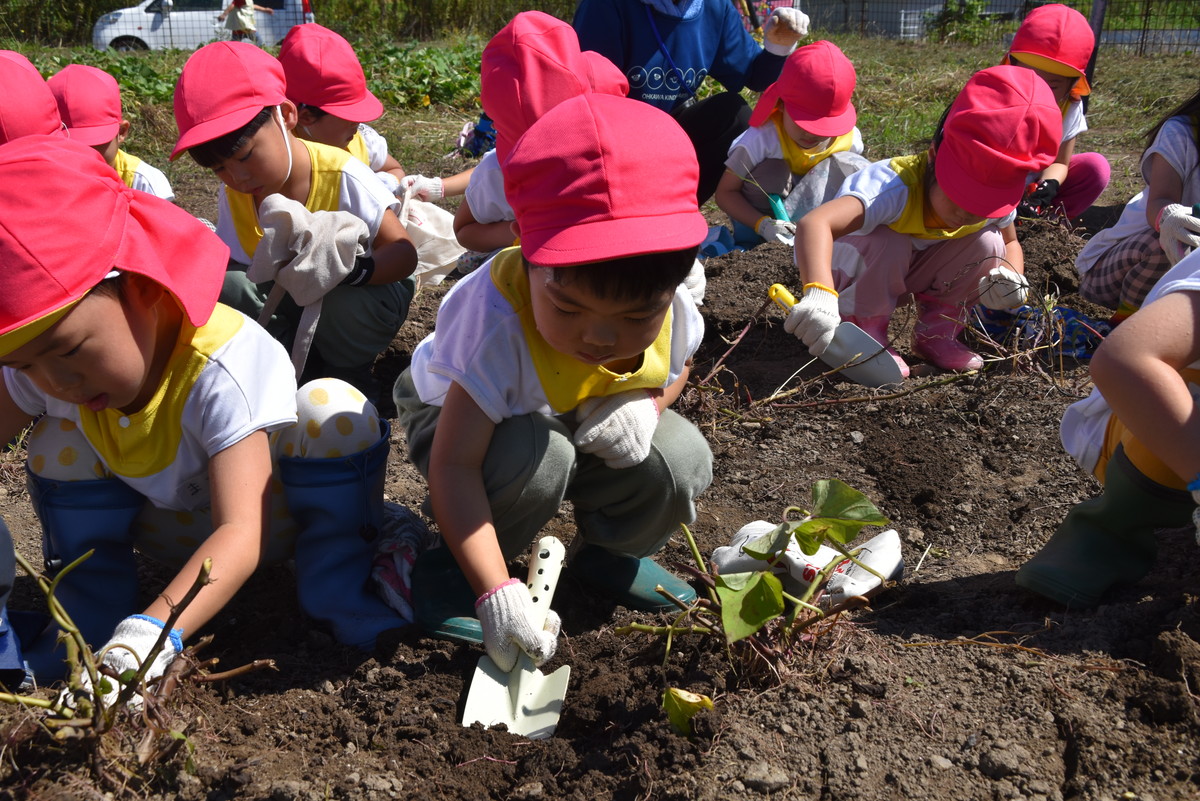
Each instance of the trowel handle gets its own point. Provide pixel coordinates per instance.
(545, 565)
(777, 209)
(780, 294)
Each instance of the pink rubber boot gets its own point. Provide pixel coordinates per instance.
(877, 327)
(935, 336)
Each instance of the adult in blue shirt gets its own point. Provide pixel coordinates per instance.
(668, 47)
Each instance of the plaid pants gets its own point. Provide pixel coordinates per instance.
(1126, 272)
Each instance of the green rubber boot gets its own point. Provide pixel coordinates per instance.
(1108, 539)
(628, 580)
(443, 601)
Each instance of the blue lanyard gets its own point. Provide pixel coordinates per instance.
(667, 53)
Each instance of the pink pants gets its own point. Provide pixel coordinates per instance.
(1087, 176)
(872, 272)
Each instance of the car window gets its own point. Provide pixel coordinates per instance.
(275, 4)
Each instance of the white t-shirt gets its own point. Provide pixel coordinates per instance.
(359, 192)
(376, 146)
(485, 192)
(243, 382)
(762, 143)
(479, 344)
(884, 196)
(1085, 422)
(1176, 143)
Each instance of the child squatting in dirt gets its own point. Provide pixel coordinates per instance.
(550, 375)
(168, 422)
(937, 225)
(1138, 434)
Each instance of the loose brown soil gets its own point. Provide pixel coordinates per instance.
(957, 685)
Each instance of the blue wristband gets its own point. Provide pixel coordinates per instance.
(1195, 485)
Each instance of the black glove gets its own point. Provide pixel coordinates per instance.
(1037, 201)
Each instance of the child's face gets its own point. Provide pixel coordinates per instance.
(99, 355)
(1060, 85)
(261, 166)
(801, 137)
(592, 329)
(946, 213)
(327, 129)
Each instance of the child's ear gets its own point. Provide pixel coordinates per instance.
(290, 114)
(122, 131)
(305, 117)
(516, 229)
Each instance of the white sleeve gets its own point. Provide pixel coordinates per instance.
(364, 195)
(753, 147)
(1074, 123)
(377, 146)
(882, 192)
(1176, 144)
(153, 180)
(485, 191)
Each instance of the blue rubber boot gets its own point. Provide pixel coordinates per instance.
(443, 601)
(628, 580)
(77, 517)
(337, 504)
(12, 664)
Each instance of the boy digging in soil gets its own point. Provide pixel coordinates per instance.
(167, 420)
(551, 374)
(235, 119)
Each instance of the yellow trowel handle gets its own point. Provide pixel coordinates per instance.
(780, 294)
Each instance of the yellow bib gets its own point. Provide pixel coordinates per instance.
(358, 148)
(800, 160)
(126, 166)
(566, 380)
(148, 441)
(911, 170)
(323, 191)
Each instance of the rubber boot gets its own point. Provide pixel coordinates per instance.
(443, 601)
(77, 517)
(12, 664)
(935, 336)
(337, 504)
(628, 580)
(1106, 540)
(877, 327)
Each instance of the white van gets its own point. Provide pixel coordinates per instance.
(187, 24)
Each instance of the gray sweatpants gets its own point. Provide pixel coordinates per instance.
(532, 466)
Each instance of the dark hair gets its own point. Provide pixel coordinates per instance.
(110, 287)
(315, 111)
(211, 153)
(632, 277)
(1188, 108)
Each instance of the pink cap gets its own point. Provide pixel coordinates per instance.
(28, 106)
(323, 71)
(815, 86)
(89, 102)
(1059, 34)
(532, 65)
(222, 87)
(604, 76)
(1003, 126)
(602, 177)
(48, 265)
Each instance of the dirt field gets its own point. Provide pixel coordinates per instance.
(955, 686)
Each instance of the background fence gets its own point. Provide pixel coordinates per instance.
(1139, 26)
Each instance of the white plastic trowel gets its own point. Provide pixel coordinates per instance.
(853, 352)
(526, 701)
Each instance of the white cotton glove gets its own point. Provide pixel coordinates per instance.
(814, 320)
(783, 29)
(1003, 288)
(1178, 231)
(426, 189)
(506, 617)
(128, 647)
(696, 282)
(617, 428)
(773, 230)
